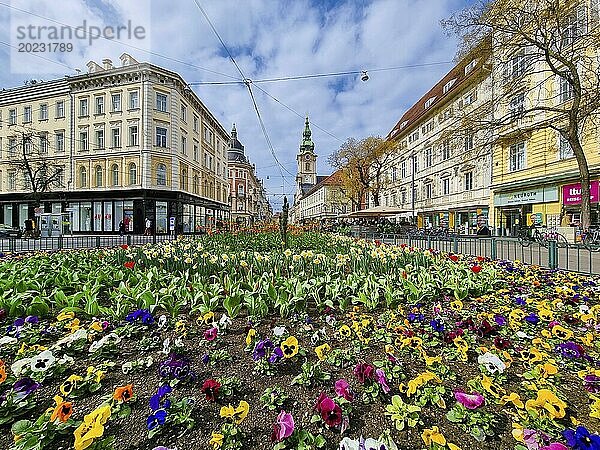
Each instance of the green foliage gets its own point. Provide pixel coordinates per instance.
(403, 414)
(311, 374)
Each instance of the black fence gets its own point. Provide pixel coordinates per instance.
(572, 257)
(20, 245)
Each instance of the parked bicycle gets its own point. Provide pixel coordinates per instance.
(542, 236)
(590, 239)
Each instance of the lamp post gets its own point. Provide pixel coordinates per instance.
(412, 187)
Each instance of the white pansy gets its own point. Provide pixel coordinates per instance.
(8, 340)
(42, 362)
(523, 335)
(111, 338)
(162, 321)
(224, 322)
(18, 367)
(126, 367)
(278, 331)
(491, 362)
(166, 346)
(69, 339)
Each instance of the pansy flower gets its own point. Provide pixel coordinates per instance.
(364, 372)
(210, 388)
(62, 411)
(289, 347)
(342, 388)
(156, 400)
(582, 439)
(283, 428)
(260, 349)
(330, 412)
(469, 401)
(123, 394)
(236, 414)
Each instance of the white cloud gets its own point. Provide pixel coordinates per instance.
(272, 39)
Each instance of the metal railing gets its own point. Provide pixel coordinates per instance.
(20, 245)
(573, 257)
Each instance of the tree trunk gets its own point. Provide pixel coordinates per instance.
(584, 178)
(375, 198)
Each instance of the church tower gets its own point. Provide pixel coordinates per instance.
(306, 159)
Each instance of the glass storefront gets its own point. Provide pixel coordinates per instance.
(97, 216)
(8, 211)
(23, 214)
(161, 217)
(108, 217)
(188, 218)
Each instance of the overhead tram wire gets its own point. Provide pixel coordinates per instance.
(150, 52)
(247, 82)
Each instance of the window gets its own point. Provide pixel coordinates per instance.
(446, 186)
(468, 181)
(161, 175)
(134, 100)
(83, 107)
(133, 135)
(184, 180)
(0, 119)
(403, 197)
(12, 180)
(429, 102)
(183, 145)
(208, 135)
(116, 102)
(84, 144)
(28, 145)
(565, 150)
(428, 191)
(195, 152)
(446, 150)
(196, 184)
(100, 105)
(403, 169)
(161, 102)
(44, 111)
(413, 137)
(516, 156)
(114, 171)
(415, 164)
(132, 174)
(516, 106)
(60, 109)
(468, 141)
(116, 137)
(428, 127)
(241, 189)
(574, 25)
(515, 66)
(43, 144)
(307, 167)
(195, 123)
(448, 86)
(1, 154)
(12, 116)
(565, 90)
(469, 67)
(470, 98)
(446, 114)
(60, 142)
(183, 112)
(99, 139)
(428, 157)
(12, 147)
(161, 137)
(60, 177)
(27, 114)
(394, 173)
(83, 177)
(98, 176)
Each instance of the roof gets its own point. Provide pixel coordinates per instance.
(335, 179)
(436, 94)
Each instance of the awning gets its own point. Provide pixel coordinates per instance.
(379, 211)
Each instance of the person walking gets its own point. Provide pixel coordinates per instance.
(148, 224)
(121, 228)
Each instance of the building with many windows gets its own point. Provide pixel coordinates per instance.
(247, 195)
(325, 200)
(131, 143)
(441, 175)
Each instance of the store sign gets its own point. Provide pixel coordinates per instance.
(539, 195)
(171, 223)
(572, 193)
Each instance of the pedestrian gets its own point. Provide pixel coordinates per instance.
(148, 231)
(28, 229)
(121, 228)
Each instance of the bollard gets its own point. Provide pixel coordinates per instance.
(494, 250)
(129, 240)
(552, 255)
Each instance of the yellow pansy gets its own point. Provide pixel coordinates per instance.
(432, 435)
(561, 332)
(595, 407)
(488, 385)
(236, 414)
(345, 331)
(250, 336)
(420, 380)
(548, 369)
(96, 326)
(322, 351)
(289, 347)
(430, 360)
(513, 398)
(68, 315)
(70, 383)
(518, 432)
(547, 403)
(91, 428)
(586, 339)
(73, 326)
(216, 440)
(452, 446)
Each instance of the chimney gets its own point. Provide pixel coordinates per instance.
(127, 60)
(93, 67)
(107, 63)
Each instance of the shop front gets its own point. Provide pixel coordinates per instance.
(571, 204)
(470, 220)
(517, 209)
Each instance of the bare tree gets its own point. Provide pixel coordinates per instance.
(30, 160)
(547, 53)
(363, 164)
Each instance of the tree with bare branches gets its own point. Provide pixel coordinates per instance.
(29, 160)
(546, 68)
(363, 164)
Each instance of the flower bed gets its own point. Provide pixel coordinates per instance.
(231, 342)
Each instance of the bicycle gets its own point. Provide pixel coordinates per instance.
(542, 238)
(590, 239)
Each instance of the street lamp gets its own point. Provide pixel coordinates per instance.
(412, 187)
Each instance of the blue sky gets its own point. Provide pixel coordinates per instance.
(272, 38)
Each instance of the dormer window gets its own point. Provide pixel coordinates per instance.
(469, 67)
(403, 124)
(449, 85)
(429, 102)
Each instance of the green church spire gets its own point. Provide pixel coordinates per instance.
(307, 143)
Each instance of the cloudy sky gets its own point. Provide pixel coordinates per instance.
(267, 39)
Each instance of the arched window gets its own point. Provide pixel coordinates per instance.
(83, 177)
(98, 176)
(115, 174)
(184, 180)
(196, 184)
(132, 174)
(307, 167)
(161, 175)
